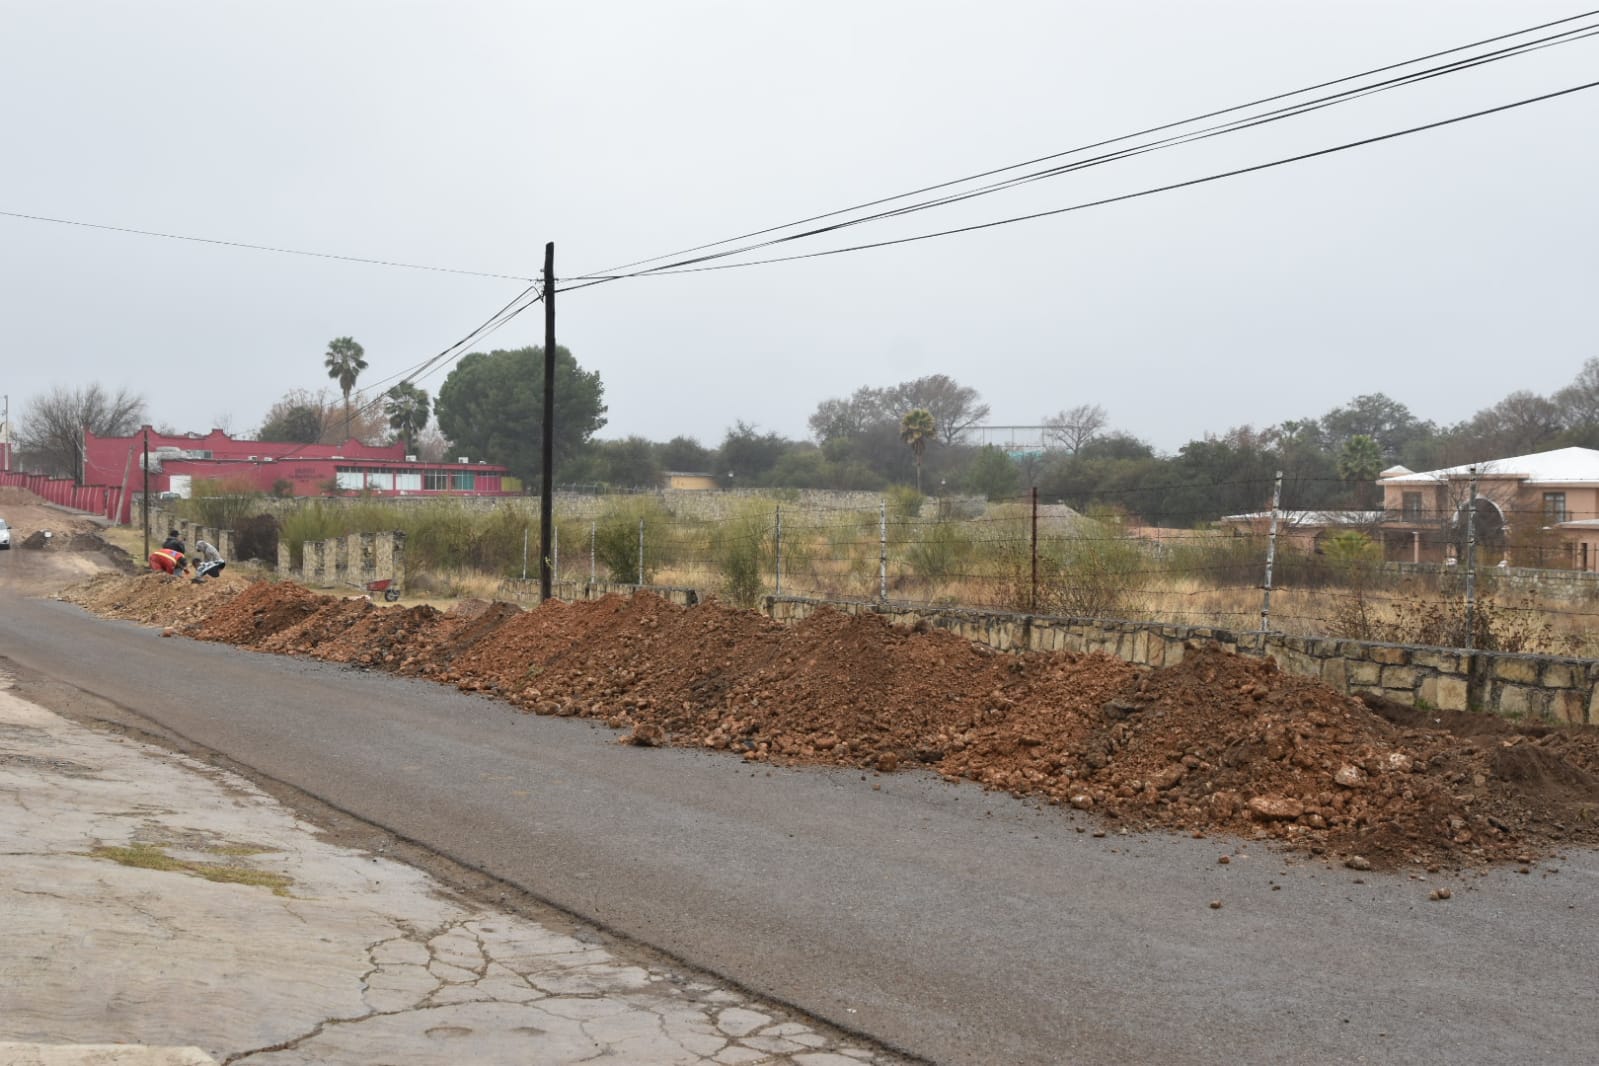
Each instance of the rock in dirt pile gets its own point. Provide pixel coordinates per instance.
(1217, 743)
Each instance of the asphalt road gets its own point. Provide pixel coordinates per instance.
(953, 924)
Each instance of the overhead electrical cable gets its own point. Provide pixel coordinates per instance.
(694, 265)
(1223, 128)
(261, 247)
(1563, 37)
(488, 327)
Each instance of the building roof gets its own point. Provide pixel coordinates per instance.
(1563, 466)
(1312, 518)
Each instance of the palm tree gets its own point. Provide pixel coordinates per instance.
(408, 411)
(345, 360)
(916, 429)
(1360, 461)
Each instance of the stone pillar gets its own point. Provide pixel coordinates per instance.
(320, 563)
(224, 543)
(364, 556)
(285, 566)
(344, 569)
(397, 558)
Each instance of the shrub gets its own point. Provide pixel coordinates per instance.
(440, 536)
(311, 522)
(616, 538)
(904, 502)
(257, 538)
(222, 503)
(939, 551)
(742, 548)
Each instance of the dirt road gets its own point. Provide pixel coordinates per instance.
(961, 925)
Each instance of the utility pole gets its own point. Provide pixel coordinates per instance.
(547, 456)
(145, 500)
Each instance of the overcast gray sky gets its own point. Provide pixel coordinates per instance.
(1445, 269)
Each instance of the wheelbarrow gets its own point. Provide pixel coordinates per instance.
(386, 586)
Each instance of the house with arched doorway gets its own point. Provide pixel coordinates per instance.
(1539, 510)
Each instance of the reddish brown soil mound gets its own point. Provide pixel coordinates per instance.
(1217, 743)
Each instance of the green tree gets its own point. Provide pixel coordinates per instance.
(748, 456)
(993, 474)
(492, 407)
(1384, 420)
(686, 455)
(627, 463)
(916, 429)
(408, 408)
(300, 417)
(864, 427)
(345, 360)
(1359, 462)
(297, 425)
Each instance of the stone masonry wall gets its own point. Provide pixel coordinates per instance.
(1530, 686)
(189, 532)
(352, 561)
(526, 590)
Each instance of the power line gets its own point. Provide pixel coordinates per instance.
(605, 275)
(449, 354)
(685, 268)
(1218, 130)
(260, 247)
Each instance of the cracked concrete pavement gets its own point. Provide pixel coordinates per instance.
(159, 910)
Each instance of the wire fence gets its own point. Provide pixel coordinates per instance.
(1019, 555)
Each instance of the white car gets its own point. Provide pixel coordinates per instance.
(5, 535)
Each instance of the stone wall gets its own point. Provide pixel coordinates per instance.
(526, 591)
(1567, 585)
(189, 532)
(1531, 686)
(352, 561)
(704, 505)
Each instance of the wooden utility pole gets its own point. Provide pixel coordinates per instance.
(547, 451)
(144, 501)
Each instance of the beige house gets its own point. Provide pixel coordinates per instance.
(1304, 530)
(683, 481)
(1539, 510)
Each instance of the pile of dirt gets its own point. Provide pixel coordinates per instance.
(155, 598)
(1219, 742)
(50, 540)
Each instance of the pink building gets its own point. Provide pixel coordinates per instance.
(177, 461)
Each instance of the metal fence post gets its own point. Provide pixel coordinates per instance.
(1271, 552)
(779, 551)
(641, 551)
(882, 551)
(1471, 562)
(593, 537)
(555, 553)
(1032, 595)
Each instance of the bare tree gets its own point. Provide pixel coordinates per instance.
(50, 433)
(955, 408)
(1076, 426)
(1579, 401)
